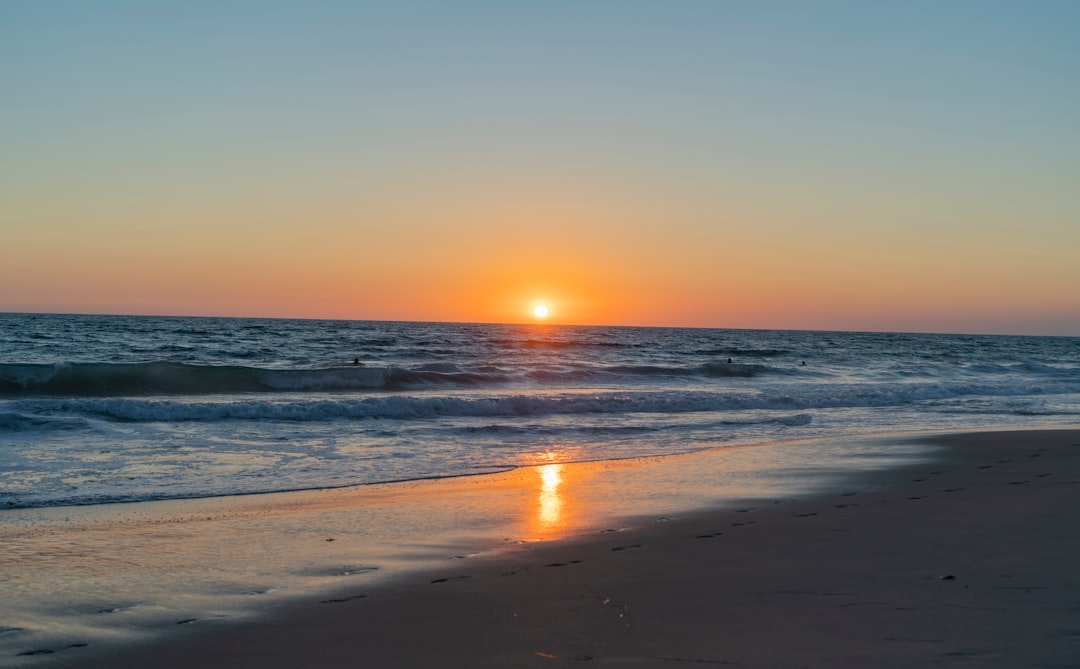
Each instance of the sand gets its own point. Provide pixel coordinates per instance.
(968, 561)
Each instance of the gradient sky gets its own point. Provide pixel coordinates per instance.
(912, 166)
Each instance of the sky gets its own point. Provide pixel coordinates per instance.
(908, 166)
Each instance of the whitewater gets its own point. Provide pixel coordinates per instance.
(99, 409)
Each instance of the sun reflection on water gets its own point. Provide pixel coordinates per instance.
(551, 501)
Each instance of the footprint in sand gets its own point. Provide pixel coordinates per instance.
(563, 564)
(627, 548)
(48, 651)
(191, 621)
(116, 609)
(352, 571)
(450, 578)
(339, 600)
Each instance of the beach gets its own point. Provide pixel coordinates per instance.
(234, 488)
(548, 334)
(964, 557)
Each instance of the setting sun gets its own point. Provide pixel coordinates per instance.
(540, 311)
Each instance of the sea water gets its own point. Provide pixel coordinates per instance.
(196, 413)
(98, 409)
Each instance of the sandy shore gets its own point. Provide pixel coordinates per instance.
(969, 561)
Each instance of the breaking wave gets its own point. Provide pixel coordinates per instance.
(404, 407)
(169, 378)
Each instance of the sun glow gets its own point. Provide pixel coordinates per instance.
(540, 311)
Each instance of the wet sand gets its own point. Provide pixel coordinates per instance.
(969, 561)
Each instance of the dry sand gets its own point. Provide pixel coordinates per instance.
(969, 561)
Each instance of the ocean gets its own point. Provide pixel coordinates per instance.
(101, 409)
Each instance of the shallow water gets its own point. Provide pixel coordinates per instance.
(95, 575)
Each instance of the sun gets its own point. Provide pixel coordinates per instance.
(540, 311)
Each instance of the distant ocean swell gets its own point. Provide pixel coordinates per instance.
(33, 414)
(169, 378)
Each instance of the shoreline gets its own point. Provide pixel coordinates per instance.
(963, 561)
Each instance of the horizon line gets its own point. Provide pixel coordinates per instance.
(538, 323)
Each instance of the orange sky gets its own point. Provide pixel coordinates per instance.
(715, 167)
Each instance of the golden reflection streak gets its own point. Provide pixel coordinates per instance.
(550, 507)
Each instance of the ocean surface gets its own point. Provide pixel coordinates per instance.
(97, 409)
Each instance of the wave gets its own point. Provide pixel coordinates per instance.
(170, 378)
(534, 429)
(735, 351)
(167, 378)
(17, 422)
(174, 378)
(533, 343)
(404, 407)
